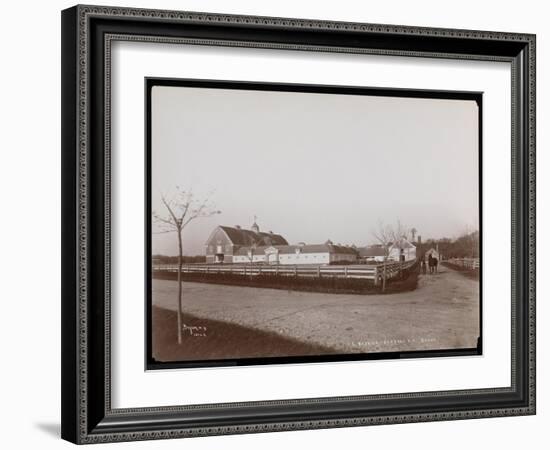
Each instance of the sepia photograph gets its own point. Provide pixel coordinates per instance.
(292, 223)
(276, 223)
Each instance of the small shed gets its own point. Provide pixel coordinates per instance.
(402, 250)
(372, 253)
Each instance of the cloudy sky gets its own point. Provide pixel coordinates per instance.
(314, 167)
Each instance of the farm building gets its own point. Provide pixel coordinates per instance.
(224, 242)
(297, 254)
(237, 245)
(372, 253)
(402, 250)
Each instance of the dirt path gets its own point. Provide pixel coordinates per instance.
(443, 313)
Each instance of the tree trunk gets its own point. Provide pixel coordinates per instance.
(251, 274)
(180, 263)
(384, 275)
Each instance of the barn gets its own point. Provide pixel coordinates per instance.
(238, 245)
(401, 250)
(372, 253)
(225, 242)
(302, 253)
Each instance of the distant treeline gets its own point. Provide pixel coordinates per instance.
(466, 246)
(163, 259)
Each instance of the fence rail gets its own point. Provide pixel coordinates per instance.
(468, 263)
(367, 272)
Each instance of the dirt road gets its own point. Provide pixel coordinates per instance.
(443, 313)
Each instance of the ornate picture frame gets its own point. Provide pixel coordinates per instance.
(88, 33)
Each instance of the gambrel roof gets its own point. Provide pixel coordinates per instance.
(239, 236)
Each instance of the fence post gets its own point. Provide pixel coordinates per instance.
(376, 276)
(345, 271)
(296, 271)
(319, 271)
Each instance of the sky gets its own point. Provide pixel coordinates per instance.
(314, 167)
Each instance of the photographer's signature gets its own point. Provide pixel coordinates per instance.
(195, 330)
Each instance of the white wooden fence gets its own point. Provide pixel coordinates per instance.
(468, 263)
(359, 271)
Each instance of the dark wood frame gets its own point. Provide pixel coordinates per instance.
(87, 33)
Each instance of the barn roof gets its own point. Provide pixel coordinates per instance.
(374, 250)
(402, 243)
(239, 236)
(291, 249)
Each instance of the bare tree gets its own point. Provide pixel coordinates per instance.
(413, 232)
(387, 235)
(252, 252)
(182, 208)
(470, 238)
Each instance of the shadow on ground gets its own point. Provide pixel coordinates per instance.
(205, 339)
(52, 429)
